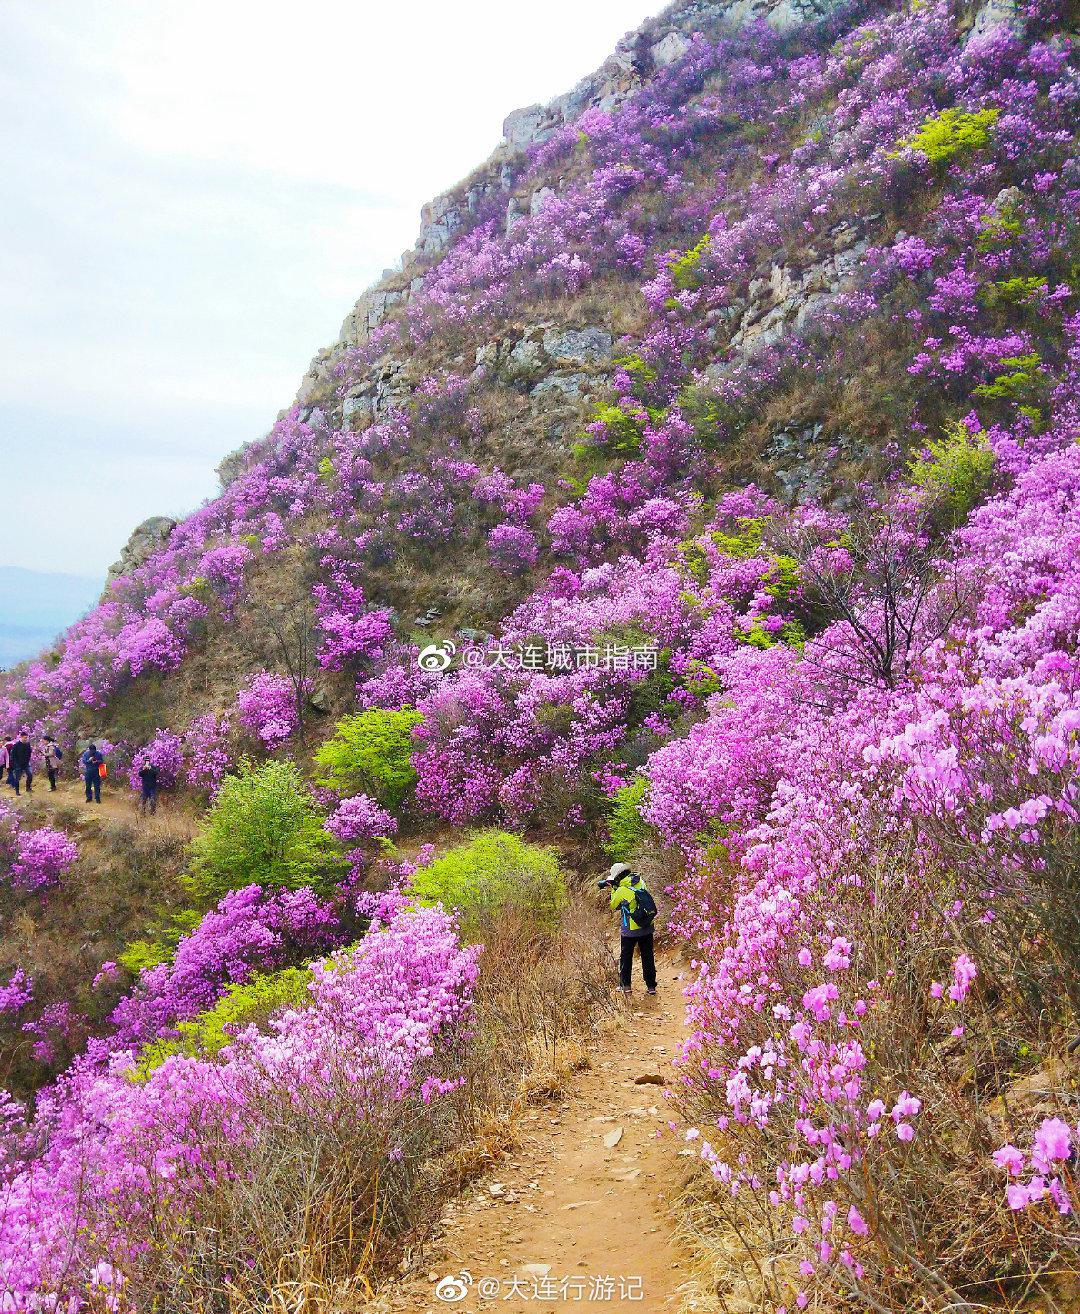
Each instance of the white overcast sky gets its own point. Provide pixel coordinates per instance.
(192, 195)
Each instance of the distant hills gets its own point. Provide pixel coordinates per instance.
(35, 606)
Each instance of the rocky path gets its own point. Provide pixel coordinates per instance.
(579, 1217)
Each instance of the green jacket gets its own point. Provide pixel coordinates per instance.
(624, 901)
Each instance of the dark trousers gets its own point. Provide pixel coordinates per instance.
(93, 787)
(50, 771)
(16, 779)
(626, 960)
(149, 798)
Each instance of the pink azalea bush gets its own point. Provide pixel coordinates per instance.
(1048, 1168)
(250, 930)
(384, 1020)
(266, 708)
(207, 757)
(360, 818)
(33, 860)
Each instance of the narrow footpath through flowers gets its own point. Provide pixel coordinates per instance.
(115, 805)
(580, 1215)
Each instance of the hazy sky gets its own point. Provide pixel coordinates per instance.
(192, 195)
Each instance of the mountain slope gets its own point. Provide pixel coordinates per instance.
(704, 489)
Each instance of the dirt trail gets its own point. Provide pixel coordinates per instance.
(579, 1218)
(118, 803)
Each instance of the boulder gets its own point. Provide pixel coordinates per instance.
(439, 221)
(533, 123)
(146, 539)
(565, 385)
(585, 346)
(526, 357)
(538, 199)
(671, 48)
(991, 14)
(231, 467)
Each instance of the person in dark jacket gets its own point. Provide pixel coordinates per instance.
(91, 762)
(19, 763)
(148, 779)
(625, 884)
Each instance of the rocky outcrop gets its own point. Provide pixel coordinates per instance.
(991, 14)
(549, 359)
(790, 296)
(804, 460)
(382, 389)
(657, 44)
(146, 539)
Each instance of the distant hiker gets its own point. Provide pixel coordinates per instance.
(92, 765)
(148, 778)
(19, 763)
(636, 907)
(5, 761)
(51, 755)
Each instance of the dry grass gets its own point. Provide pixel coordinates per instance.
(127, 872)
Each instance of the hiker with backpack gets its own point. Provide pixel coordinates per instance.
(19, 755)
(93, 767)
(636, 907)
(51, 756)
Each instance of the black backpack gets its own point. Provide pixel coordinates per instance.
(644, 907)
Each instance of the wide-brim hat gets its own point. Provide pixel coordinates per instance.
(619, 869)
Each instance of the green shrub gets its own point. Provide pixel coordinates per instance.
(370, 753)
(1000, 228)
(957, 471)
(743, 543)
(686, 270)
(755, 635)
(1012, 292)
(782, 580)
(159, 946)
(491, 872)
(626, 827)
(949, 133)
(251, 1003)
(640, 371)
(1025, 376)
(623, 430)
(263, 829)
(701, 679)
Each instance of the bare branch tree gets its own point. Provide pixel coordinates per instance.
(285, 637)
(885, 590)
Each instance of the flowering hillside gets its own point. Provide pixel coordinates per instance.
(705, 488)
